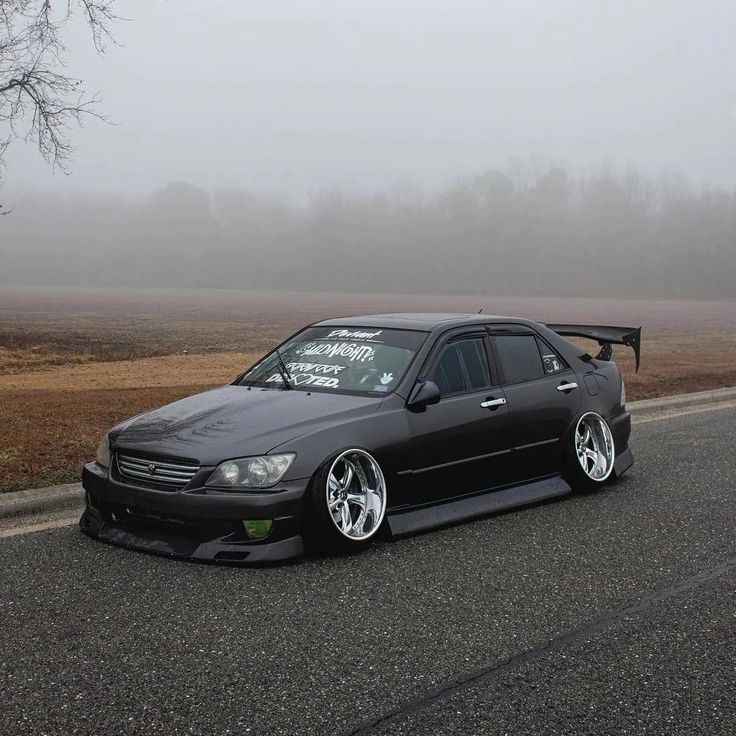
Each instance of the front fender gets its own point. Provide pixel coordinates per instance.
(384, 434)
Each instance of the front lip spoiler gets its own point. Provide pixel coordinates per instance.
(214, 516)
(170, 545)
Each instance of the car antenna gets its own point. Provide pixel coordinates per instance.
(480, 310)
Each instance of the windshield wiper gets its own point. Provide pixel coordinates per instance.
(284, 372)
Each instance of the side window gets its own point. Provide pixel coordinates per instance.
(462, 366)
(476, 364)
(550, 360)
(520, 357)
(448, 374)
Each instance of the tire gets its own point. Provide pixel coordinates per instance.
(346, 502)
(589, 453)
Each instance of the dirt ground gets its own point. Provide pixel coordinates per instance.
(73, 363)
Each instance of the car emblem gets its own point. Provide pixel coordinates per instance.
(151, 469)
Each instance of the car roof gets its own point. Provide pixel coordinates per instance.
(424, 321)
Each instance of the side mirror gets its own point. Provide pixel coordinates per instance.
(424, 394)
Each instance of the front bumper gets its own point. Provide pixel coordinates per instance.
(198, 523)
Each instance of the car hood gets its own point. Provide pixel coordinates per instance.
(234, 421)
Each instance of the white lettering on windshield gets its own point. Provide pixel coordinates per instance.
(307, 379)
(316, 368)
(348, 350)
(355, 335)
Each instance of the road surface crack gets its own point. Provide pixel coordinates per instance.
(625, 611)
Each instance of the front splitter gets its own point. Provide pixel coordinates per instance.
(160, 542)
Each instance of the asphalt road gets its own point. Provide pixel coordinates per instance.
(606, 614)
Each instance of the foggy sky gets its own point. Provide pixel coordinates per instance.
(295, 96)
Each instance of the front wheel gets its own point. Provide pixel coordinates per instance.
(347, 501)
(590, 453)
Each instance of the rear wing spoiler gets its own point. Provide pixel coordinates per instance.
(606, 336)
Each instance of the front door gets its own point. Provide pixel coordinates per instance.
(459, 445)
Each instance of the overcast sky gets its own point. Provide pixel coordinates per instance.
(296, 95)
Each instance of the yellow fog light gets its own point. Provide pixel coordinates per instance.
(258, 529)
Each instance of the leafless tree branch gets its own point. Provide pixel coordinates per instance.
(39, 101)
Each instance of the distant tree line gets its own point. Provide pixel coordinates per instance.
(528, 230)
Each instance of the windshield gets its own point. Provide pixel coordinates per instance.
(364, 360)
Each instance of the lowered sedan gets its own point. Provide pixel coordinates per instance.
(382, 424)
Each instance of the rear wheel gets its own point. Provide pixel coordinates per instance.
(347, 501)
(591, 453)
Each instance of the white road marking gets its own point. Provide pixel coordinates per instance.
(672, 413)
(39, 527)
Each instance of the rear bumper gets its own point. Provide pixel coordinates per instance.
(199, 523)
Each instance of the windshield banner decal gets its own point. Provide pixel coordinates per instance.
(315, 368)
(350, 350)
(307, 379)
(354, 334)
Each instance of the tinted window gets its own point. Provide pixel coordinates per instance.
(520, 358)
(462, 367)
(448, 374)
(474, 356)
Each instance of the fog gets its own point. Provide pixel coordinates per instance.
(540, 233)
(555, 148)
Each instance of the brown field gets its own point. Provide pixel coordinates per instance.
(74, 362)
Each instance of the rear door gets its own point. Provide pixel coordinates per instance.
(460, 444)
(542, 394)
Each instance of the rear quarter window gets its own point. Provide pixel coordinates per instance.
(551, 361)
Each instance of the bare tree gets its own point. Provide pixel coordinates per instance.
(39, 101)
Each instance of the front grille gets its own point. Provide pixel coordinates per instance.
(152, 471)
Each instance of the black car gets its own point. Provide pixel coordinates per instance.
(384, 423)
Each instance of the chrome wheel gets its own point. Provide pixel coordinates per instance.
(594, 446)
(356, 495)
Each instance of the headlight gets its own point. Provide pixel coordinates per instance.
(251, 472)
(103, 452)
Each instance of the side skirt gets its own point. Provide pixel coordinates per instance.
(406, 522)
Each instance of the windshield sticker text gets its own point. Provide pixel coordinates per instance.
(354, 334)
(349, 350)
(328, 368)
(307, 379)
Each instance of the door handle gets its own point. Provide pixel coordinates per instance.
(567, 386)
(491, 403)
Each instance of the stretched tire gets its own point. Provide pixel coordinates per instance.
(346, 502)
(590, 453)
